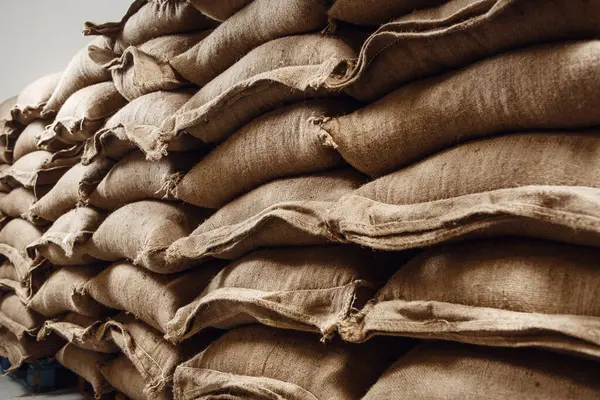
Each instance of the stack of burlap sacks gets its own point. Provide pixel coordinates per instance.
(303, 200)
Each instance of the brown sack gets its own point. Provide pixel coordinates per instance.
(74, 186)
(255, 24)
(281, 71)
(40, 168)
(142, 232)
(256, 361)
(4, 186)
(546, 87)
(27, 141)
(135, 126)
(16, 202)
(15, 236)
(27, 348)
(79, 73)
(83, 114)
(17, 318)
(145, 69)
(150, 354)
(63, 292)
(309, 289)
(33, 99)
(285, 212)
(149, 19)
(221, 10)
(9, 130)
(435, 200)
(151, 297)
(378, 12)
(436, 371)
(134, 178)
(122, 375)
(80, 331)
(284, 142)
(502, 292)
(431, 41)
(62, 243)
(86, 364)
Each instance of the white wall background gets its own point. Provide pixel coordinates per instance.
(38, 37)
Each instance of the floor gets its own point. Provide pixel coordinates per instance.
(10, 389)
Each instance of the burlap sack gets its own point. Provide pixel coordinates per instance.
(281, 71)
(253, 361)
(12, 282)
(134, 178)
(145, 69)
(135, 126)
(149, 19)
(142, 232)
(80, 331)
(221, 10)
(435, 200)
(81, 71)
(256, 24)
(33, 98)
(16, 202)
(431, 41)
(4, 186)
(153, 357)
(436, 371)
(74, 186)
(83, 114)
(63, 292)
(40, 168)
(27, 141)
(86, 364)
(544, 87)
(375, 13)
(27, 348)
(151, 297)
(17, 318)
(9, 130)
(309, 289)
(122, 375)
(62, 243)
(15, 236)
(285, 212)
(285, 142)
(509, 293)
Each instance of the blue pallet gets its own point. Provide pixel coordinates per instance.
(41, 376)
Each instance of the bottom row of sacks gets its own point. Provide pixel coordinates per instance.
(259, 362)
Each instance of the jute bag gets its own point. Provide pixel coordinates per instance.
(134, 178)
(151, 355)
(33, 98)
(122, 375)
(83, 114)
(250, 361)
(375, 13)
(309, 289)
(135, 126)
(149, 19)
(144, 69)
(281, 71)
(40, 168)
(62, 243)
(501, 292)
(81, 71)
(74, 186)
(15, 236)
(86, 364)
(151, 297)
(80, 331)
(284, 142)
(221, 10)
(431, 41)
(27, 141)
(142, 232)
(17, 202)
(17, 318)
(548, 192)
(11, 280)
(63, 292)
(437, 370)
(285, 212)
(27, 348)
(551, 86)
(9, 130)
(4, 186)
(255, 24)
